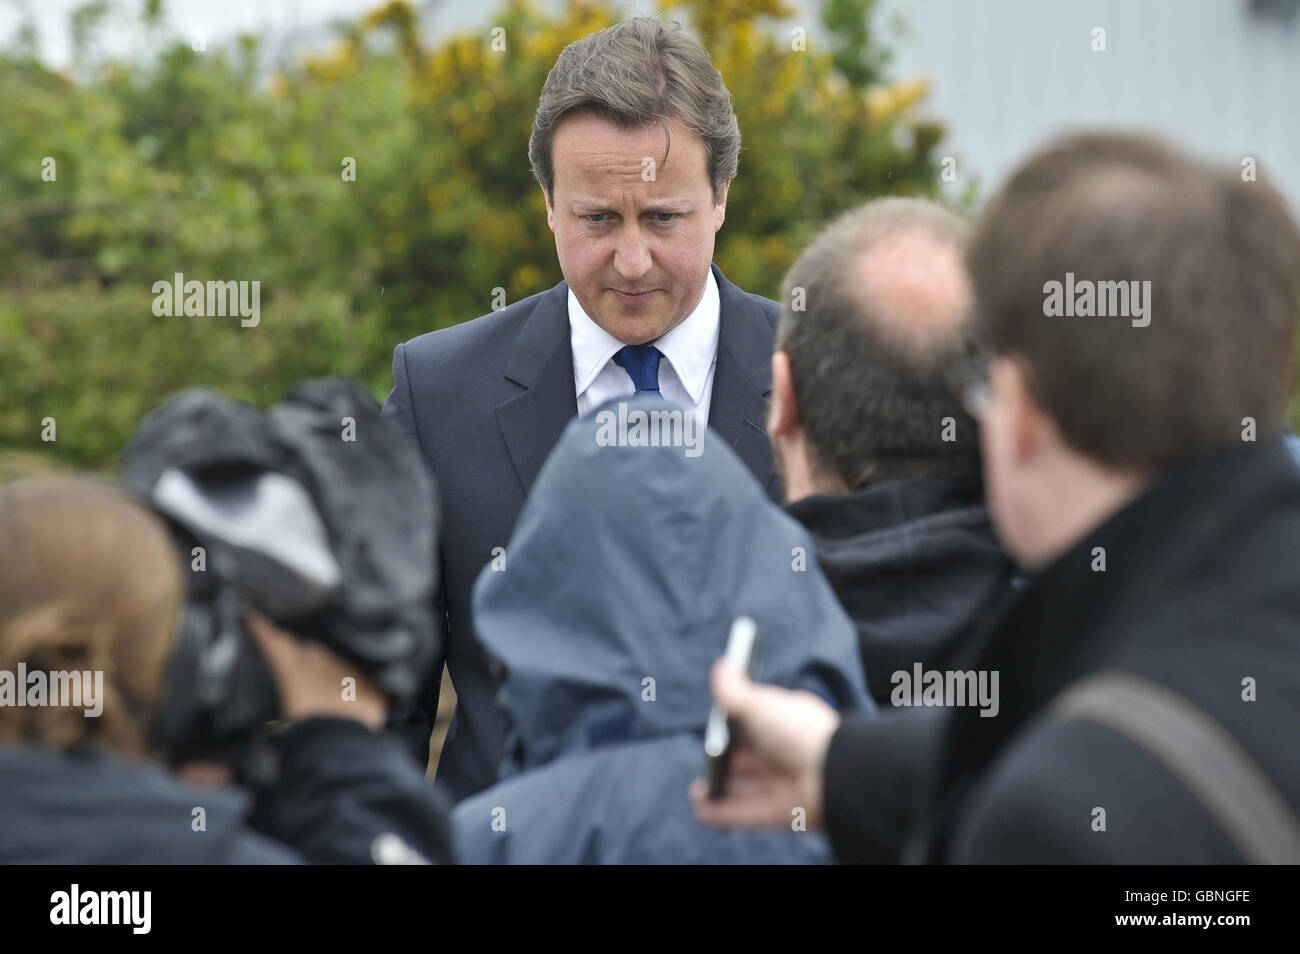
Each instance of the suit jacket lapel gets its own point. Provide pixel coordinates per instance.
(743, 380)
(541, 362)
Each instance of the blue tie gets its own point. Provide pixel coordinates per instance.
(641, 362)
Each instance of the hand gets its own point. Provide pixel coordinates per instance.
(777, 756)
(310, 678)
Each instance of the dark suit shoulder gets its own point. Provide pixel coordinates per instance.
(471, 341)
(769, 309)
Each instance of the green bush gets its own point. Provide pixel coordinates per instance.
(200, 162)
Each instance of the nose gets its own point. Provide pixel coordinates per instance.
(632, 254)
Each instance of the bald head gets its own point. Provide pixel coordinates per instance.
(876, 312)
(913, 287)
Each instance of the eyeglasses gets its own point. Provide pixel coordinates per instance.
(969, 381)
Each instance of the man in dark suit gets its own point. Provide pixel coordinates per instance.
(634, 146)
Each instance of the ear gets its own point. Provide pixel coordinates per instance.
(550, 210)
(1027, 425)
(720, 209)
(783, 414)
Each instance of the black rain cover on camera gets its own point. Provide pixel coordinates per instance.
(368, 485)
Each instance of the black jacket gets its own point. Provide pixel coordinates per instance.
(913, 563)
(917, 567)
(487, 400)
(342, 794)
(1200, 591)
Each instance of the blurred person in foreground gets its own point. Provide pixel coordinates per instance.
(619, 586)
(262, 664)
(98, 587)
(1150, 670)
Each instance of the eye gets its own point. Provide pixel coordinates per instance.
(596, 218)
(671, 217)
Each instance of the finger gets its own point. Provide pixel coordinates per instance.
(732, 689)
(737, 789)
(745, 787)
(738, 812)
(749, 786)
(746, 762)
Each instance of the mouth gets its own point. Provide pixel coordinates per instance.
(633, 298)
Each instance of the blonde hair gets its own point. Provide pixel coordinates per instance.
(89, 580)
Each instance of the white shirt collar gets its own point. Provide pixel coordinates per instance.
(690, 347)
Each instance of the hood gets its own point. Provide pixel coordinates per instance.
(621, 581)
(914, 562)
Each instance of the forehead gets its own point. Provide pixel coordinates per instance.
(593, 156)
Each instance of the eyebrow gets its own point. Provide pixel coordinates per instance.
(591, 207)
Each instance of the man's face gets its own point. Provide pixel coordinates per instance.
(633, 231)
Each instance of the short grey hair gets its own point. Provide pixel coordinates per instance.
(873, 385)
(636, 73)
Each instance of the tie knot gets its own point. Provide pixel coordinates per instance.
(641, 362)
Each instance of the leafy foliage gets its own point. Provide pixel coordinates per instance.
(212, 164)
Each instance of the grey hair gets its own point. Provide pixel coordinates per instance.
(636, 73)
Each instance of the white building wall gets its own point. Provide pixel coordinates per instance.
(1007, 74)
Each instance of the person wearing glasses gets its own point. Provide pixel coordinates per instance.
(1149, 669)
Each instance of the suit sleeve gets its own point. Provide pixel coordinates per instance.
(417, 727)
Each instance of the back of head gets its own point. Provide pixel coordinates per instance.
(1151, 299)
(876, 313)
(89, 584)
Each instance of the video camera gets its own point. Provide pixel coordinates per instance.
(318, 513)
